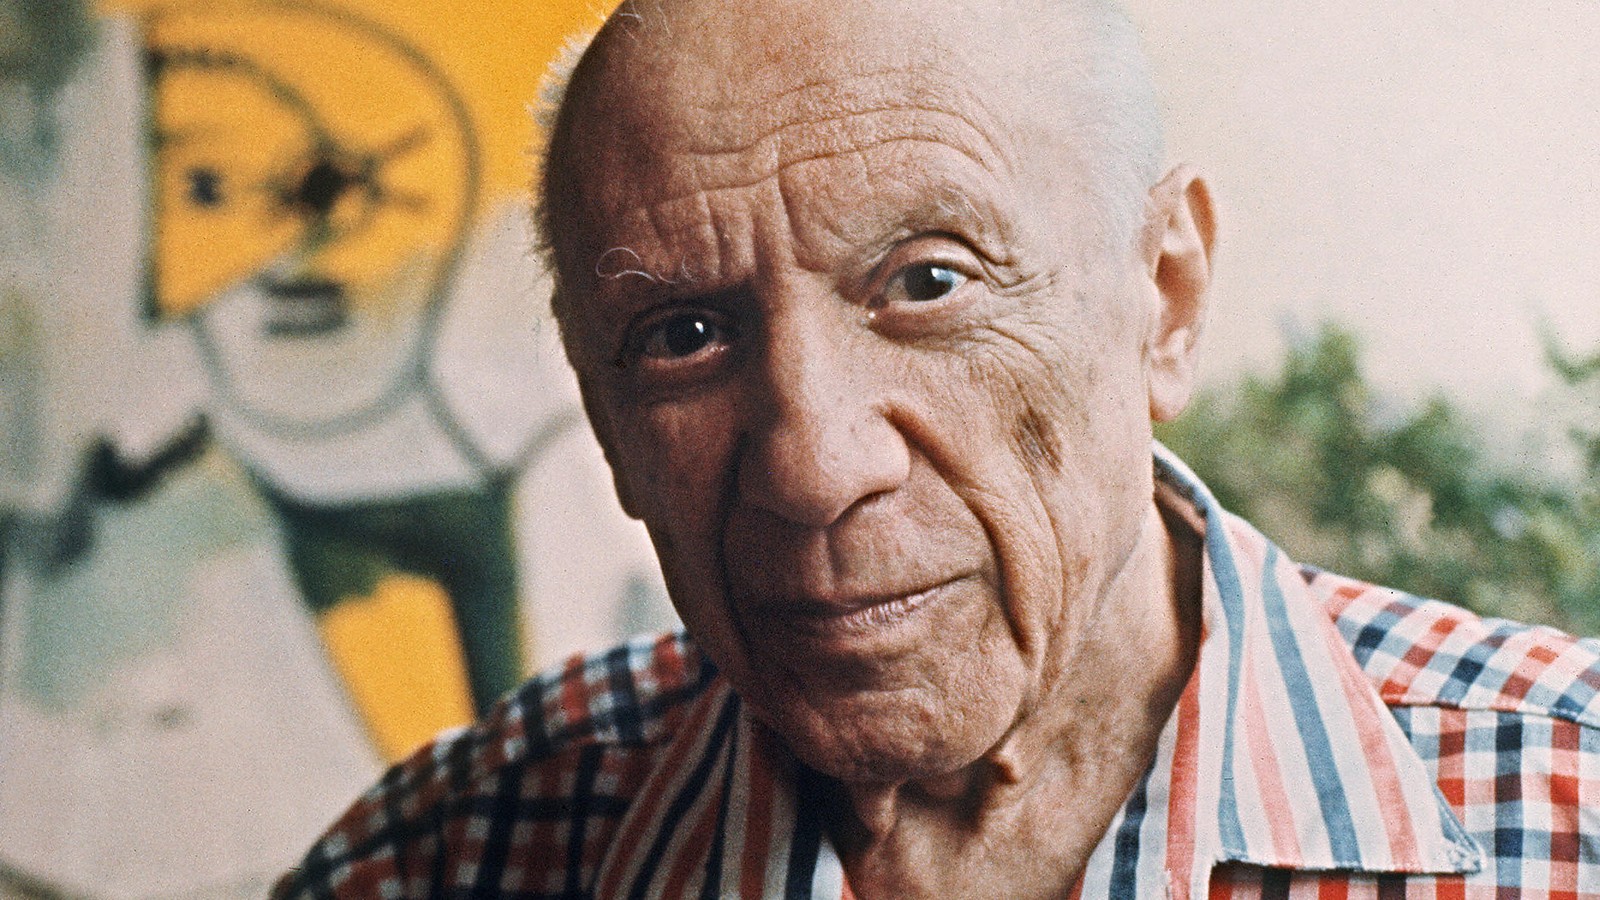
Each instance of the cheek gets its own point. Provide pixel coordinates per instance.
(1079, 432)
(677, 459)
(1041, 400)
(1061, 486)
(1037, 440)
(1071, 391)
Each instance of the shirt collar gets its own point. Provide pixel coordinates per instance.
(1280, 745)
(1279, 754)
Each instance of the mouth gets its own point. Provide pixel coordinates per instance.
(304, 307)
(853, 617)
(308, 288)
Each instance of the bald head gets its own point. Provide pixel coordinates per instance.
(1065, 78)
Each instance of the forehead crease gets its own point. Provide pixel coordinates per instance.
(741, 118)
(685, 239)
(733, 141)
(834, 137)
(893, 194)
(914, 184)
(698, 233)
(691, 191)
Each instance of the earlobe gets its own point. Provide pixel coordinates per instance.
(1177, 245)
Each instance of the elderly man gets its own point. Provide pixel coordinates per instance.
(872, 306)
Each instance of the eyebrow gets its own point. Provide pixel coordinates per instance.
(942, 212)
(949, 204)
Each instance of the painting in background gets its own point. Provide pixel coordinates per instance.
(293, 476)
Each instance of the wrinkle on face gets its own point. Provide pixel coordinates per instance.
(750, 111)
(661, 220)
(735, 150)
(1037, 438)
(700, 242)
(786, 196)
(837, 134)
(621, 262)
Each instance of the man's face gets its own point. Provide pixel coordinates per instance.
(885, 416)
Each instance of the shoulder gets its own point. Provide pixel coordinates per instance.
(1420, 652)
(558, 759)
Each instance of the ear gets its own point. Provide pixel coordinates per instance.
(1177, 244)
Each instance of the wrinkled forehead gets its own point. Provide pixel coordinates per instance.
(753, 50)
(737, 136)
(735, 100)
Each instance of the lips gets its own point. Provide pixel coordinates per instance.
(861, 615)
(875, 585)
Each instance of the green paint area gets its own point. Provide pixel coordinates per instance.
(460, 539)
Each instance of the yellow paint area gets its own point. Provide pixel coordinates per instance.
(221, 137)
(397, 651)
(331, 141)
(296, 145)
(303, 144)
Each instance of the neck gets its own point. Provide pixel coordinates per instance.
(1023, 819)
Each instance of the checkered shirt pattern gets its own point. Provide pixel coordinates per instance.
(525, 803)
(1505, 719)
(1336, 740)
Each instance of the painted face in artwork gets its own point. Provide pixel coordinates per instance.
(307, 154)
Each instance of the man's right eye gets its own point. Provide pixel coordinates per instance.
(683, 338)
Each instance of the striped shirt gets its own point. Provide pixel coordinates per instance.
(1335, 740)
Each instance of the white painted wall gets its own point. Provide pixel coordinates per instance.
(1427, 172)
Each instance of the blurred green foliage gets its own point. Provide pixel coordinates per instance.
(1582, 375)
(1409, 501)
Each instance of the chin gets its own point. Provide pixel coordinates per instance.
(878, 739)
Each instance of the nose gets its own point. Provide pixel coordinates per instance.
(821, 438)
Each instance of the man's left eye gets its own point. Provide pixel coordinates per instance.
(926, 281)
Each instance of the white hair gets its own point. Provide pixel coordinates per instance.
(553, 86)
(546, 111)
(1112, 122)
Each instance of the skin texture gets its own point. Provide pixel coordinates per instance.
(882, 395)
